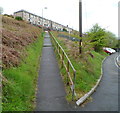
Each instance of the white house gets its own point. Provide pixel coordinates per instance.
(37, 20)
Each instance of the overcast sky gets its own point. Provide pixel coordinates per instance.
(66, 12)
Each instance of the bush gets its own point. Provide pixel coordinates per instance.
(9, 15)
(64, 29)
(18, 18)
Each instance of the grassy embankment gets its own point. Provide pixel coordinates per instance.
(87, 65)
(20, 78)
(19, 89)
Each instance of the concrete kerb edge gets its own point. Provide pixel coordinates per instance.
(82, 99)
(118, 63)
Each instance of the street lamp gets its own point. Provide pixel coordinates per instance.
(80, 26)
(42, 18)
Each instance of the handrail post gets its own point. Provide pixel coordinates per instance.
(68, 72)
(62, 59)
(59, 49)
(68, 66)
(57, 46)
(73, 87)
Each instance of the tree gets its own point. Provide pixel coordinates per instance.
(111, 40)
(118, 43)
(100, 38)
(97, 36)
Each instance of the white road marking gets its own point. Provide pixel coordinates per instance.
(115, 59)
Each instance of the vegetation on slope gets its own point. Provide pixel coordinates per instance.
(22, 45)
(19, 88)
(15, 36)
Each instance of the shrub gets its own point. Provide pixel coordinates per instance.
(9, 15)
(64, 29)
(18, 18)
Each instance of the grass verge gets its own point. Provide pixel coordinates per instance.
(20, 84)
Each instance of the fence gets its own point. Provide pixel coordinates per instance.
(65, 61)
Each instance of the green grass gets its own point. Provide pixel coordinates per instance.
(19, 89)
(87, 72)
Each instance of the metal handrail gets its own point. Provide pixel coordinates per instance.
(67, 67)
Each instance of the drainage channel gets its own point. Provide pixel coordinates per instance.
(47, 45)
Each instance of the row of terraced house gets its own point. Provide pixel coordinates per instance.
(38, 20)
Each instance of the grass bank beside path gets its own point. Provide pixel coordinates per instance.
(88, 68)
(19, 86)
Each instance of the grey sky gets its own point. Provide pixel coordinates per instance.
(66, 12)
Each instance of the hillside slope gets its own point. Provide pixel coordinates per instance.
(21, 48)
(15, 36)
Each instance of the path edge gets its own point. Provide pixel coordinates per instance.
(93, 89)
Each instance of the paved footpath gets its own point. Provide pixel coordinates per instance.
(51, 93)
